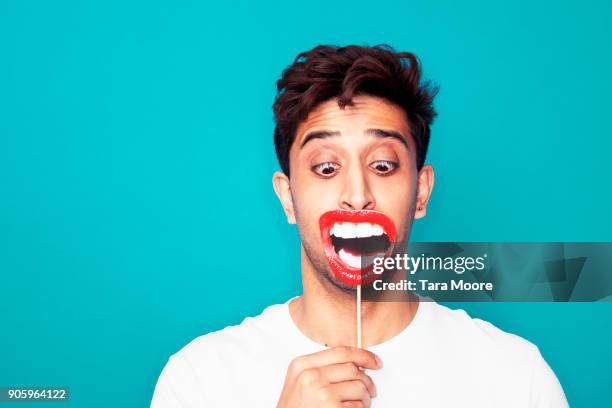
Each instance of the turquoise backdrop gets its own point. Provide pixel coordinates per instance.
(136, 158)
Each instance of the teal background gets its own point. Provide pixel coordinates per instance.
(136, 150)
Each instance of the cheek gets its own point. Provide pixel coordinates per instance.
(312, 198)
(316, 191)
(396, 197)
(396, 190)
(396, 200)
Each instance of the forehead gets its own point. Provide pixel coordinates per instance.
(366, 112)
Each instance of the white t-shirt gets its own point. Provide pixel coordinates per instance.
(443, 358)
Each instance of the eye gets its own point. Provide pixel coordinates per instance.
(384, 167)
(326, 169)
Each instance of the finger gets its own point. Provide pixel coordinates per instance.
(343, 354)
(350, 391)
(336, 373)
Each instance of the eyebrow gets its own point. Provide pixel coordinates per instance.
(379, 133)
(320, 134)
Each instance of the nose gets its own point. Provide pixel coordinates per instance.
(356, 194)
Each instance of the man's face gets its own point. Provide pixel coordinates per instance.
(361, 157)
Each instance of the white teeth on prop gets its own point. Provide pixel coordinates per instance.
(349, 230)
(363, 229)
(349, 259)
(377, 230)
(355, 261)
(355, 230)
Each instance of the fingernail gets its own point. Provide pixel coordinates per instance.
(378, 361)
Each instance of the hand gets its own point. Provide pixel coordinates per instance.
(330, 378)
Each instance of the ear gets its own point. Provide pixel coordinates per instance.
(425, 184)
(282, 188)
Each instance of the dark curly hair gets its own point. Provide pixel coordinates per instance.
(327, 72)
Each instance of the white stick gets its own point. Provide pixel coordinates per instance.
(359, 316)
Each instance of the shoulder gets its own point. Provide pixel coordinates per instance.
(210, 361)
(250, 333)
(505, 356)
(476, 334)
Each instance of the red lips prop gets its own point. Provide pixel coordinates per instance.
(348, 236)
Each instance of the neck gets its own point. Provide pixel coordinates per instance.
(327, 314)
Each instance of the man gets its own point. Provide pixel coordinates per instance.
(352, 131)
